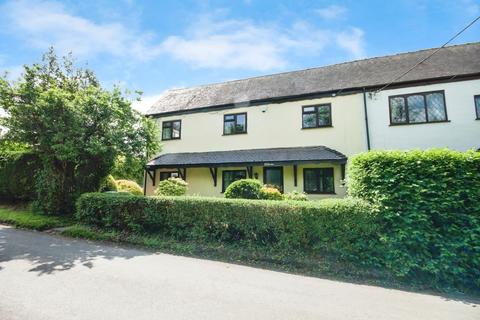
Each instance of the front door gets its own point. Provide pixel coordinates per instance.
(273, 176)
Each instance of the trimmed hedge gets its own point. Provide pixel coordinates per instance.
(430, 212)
(345, 227)
(17, 172)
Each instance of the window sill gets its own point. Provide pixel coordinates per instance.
(415, 123)
(171, 139)
(320, 193)
(234, 134)
(330, 126)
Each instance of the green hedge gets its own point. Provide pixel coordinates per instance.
(17, 173)
(430, 212)
(345, 227)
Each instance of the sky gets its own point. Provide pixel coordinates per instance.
(153, 46)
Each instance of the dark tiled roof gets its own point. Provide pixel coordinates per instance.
(448, 62)
(251, 156)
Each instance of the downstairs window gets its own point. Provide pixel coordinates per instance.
(318, 181)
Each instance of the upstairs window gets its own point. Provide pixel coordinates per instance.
(171, 130)
(235, 123)
(317, 116)
(477, 106)
(418, 108)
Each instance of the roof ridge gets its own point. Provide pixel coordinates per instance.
(320, 67)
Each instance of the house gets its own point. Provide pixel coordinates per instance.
(297, 130)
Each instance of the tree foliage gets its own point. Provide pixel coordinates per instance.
(76, 127)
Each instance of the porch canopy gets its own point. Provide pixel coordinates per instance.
(245, 158)
(271, 156)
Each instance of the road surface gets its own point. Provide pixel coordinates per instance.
(50, 277)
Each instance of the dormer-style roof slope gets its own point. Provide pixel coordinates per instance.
(449, 62)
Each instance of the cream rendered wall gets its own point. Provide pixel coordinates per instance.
(274, 125)
(268, 126)
(461, 133)
(200, 181)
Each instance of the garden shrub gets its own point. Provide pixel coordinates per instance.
(270, 193)
(172, 187)
(296, 196)
(244, 189)
(429, 205)
(345, 227)
(17, 171)
(130, 187)
(109, 184)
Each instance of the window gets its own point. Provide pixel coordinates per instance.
(234, 123)
(273, 176)
(477, 106)
(171, 130)
(168, 174)
(317, 116)
(229, 176)
(418, 108)
(318, 180)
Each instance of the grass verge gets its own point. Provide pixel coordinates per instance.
(312, 265)
(21, 217)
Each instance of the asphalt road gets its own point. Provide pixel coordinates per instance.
(50, 277)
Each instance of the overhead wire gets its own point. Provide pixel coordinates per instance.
(428, 57)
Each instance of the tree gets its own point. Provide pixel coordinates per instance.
(129, 168)
(76, 127)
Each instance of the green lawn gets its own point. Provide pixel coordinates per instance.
(24, 218)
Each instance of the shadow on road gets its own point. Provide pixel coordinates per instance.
(49, 254)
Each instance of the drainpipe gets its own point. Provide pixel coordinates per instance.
(366, 118)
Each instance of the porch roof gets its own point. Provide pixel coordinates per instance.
(271, 156)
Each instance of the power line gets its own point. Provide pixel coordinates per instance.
(429, 56)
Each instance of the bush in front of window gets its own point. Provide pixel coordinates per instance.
(130, 187)
(172, 187)
(296, 196)
(244, 189)
(270, 193)
(429, 205)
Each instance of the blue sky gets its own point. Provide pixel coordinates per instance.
(156, 45)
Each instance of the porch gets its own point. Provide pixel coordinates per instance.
(319, 171)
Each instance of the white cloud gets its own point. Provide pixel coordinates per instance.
(228, 44)
(145, 103)
(241, 44)
(47, 23)
(352, 41)
(332, 12)
(472, 7)
(209, 42)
